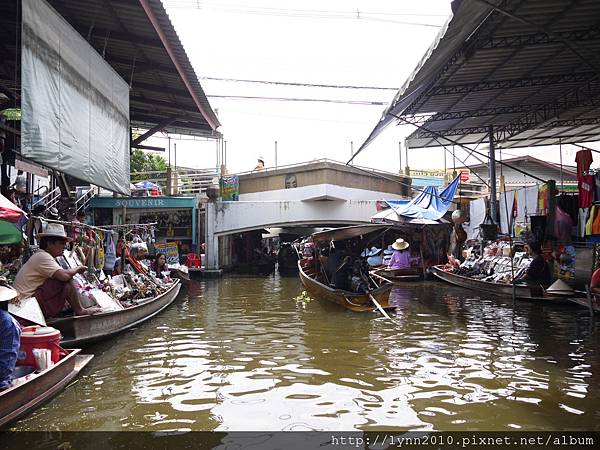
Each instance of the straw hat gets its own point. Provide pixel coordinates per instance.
(54, 230)
(7, 294)
(400, 244)
(559, 287)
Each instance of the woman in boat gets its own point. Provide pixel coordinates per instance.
(538, 271)
(401, 256)
(159, 265)
(10, 333)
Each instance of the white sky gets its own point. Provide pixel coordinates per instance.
(245, 39)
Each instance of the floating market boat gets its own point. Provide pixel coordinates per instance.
(81, 330)
(399, 275)
(36, 388)
(316, 284)
(522, 291)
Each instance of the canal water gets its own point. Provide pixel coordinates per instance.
(241, 353)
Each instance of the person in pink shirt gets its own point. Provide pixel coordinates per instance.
(401, 256)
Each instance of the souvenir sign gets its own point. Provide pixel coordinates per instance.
(170, 250)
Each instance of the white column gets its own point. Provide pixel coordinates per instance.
(212, 241)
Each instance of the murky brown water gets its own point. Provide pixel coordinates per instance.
(241, 354)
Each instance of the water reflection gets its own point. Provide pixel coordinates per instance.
(241, 354)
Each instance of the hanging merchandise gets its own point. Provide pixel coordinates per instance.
(110, 254)
(563, 224)
(590, 220)
(583, 158)
(100, 251)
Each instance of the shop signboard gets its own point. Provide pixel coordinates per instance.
(231, 188)
(170, 250)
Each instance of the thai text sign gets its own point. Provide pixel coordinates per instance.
(170, 250)
(231, 188)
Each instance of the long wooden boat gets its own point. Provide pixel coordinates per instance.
(399, 275)
(522, 292)
(24, 397)
(353, 301)
(180, 275)
(82, 330)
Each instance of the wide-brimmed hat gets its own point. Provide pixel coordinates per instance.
(261, 159)
(400, 244)
(55, 230)
(374, 251)
(366, 253)
(7, 294)
(389, 250)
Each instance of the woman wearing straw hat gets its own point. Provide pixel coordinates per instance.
(10, 333)
(43, 278)
(401, 256)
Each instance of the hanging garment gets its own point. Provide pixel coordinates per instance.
(583, 158)
(110, 252)
(597, 183)
(596, 224)
(563, 224)
(476, 217)
(527, 203)
(585, 185)
(100, 251)
(582, 222)
(590, 221)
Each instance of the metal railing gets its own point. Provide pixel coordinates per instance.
(51, 199)
(85, 198)
(184, 181)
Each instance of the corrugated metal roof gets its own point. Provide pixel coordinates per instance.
(137, 39)
(529, 68)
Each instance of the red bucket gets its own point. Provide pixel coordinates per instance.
(39, 337)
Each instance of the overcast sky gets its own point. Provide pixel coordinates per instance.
(374, 43)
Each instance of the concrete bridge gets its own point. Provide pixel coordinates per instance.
(320, 193)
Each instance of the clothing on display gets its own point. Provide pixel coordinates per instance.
(585, 186)
(583, 158)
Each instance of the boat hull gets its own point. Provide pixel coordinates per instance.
(23, 398)
(83, 330)
(400, 275)
(522, 292)
(349, 300)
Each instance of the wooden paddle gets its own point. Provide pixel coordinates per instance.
(379, 307)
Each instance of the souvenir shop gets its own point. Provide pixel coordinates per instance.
(566, 223)
(175, 218)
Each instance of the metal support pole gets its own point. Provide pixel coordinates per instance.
(351, 149)
(400, 156)
(562, 186)
(276, 154)
(406, 169)
(492, 174)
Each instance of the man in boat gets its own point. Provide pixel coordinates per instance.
(337, 265)
(10, 333)
(43, 278)
(538, 272)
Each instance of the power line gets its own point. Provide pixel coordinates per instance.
(300, 13)
(293, 99)
(285, 83)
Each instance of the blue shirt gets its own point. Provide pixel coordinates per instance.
(10, 334)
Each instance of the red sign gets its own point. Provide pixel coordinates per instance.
(465, 177)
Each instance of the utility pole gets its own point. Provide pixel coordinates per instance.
(492, 175)
(400, 155)
(276, 154)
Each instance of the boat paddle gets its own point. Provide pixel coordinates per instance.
(379, 307)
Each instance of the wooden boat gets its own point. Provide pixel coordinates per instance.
(180, 275)
(287, 259)
(399, 275)
(24, 397)
(353, 301)
(522, 292)
(81, 330)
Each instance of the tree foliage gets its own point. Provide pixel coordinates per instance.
(146, 162)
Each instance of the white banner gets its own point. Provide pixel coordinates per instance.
(75, 107)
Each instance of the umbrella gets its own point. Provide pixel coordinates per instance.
(9, 211)
(146, 185)
(9, 233)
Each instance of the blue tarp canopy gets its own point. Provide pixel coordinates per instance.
(428, 205)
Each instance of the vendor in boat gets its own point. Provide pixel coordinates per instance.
(375, 258)
(538, 271)
(136, 255)
(10, 333)
(336, 265)
(159, 265)
(43, 278)
(401, 256)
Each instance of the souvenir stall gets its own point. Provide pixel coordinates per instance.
(176, 219)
